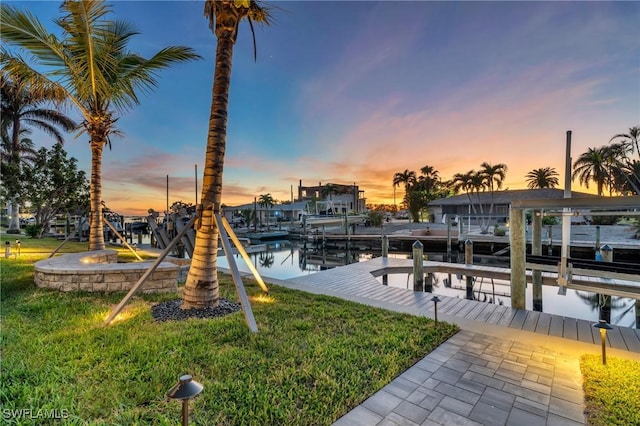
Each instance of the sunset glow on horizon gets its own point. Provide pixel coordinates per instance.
(353, 92)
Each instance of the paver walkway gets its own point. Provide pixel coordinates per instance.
(475, 379)
(493, 372)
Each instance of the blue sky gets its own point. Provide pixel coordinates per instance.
(349, 92)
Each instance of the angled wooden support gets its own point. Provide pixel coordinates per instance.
(149, 271)
(235, 273)
(244, 254)
(124, 241)
(75, 231)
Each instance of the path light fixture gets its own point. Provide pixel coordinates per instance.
(435, 301)
(186, 389)
(603, 326)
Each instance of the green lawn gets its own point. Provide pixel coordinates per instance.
(314, 359)
(612, 391)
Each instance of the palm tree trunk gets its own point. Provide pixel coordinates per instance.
(201, 288)
(96, 232)
(14, 224)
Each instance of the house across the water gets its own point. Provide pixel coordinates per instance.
(461, 205)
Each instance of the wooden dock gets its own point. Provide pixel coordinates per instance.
(357, 282)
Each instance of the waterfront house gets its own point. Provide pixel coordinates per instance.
(460, 205)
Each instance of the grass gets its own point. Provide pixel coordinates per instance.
(314, 359)
(612, 391)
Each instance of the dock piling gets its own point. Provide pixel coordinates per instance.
(468, 260)
(536, 250)
(418, 267)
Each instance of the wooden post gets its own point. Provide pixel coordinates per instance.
(536, 250)
(518, 258)
(468, 260)
(418, 271)
(449, 238)
(428, 286)
(385, 246)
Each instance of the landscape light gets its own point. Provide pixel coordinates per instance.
(435, 301)
(186, 389)
(603, 326)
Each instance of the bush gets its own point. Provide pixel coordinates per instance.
(375, 218)
(549, 220)
(33, 230)
(498, 231)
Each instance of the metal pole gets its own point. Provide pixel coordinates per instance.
(603, 339)
(185, 412)
(566, 218)
(196, 181)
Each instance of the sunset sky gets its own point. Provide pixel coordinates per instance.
(348, 92)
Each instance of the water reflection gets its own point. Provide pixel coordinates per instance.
(287, 259)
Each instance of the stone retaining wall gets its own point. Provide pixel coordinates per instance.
(99, 271)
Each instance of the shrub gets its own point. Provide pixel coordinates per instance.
(33, 230)
(375, 218)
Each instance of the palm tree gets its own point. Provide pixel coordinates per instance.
(593, 165)
(23, 109)
(201, 288)
(631, 139)
(466, 182)
(90, 66)
(544, 177)
(266, 200)
(408, 178)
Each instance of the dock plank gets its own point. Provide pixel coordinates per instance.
(469, 305)
(507, 317)
(531, 321)
(518, 319)
(473, 313)
(544, 322)
(497, 314)
(570, 329)
(584, 331)
(631, 339)
(447, 302)
(455, 305)
(615, 339)
(486, 312)
(556, 326)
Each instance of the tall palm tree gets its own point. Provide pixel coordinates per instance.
(91, 66)
(22, 109)
(544, 177)
(467, 183)
(631, 139)
(593, 165)
(408, 178)
(201, 287)
(266, 201)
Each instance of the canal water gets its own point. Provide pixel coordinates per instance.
(287, 259)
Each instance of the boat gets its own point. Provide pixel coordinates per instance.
(267, 235)
(327, 214)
